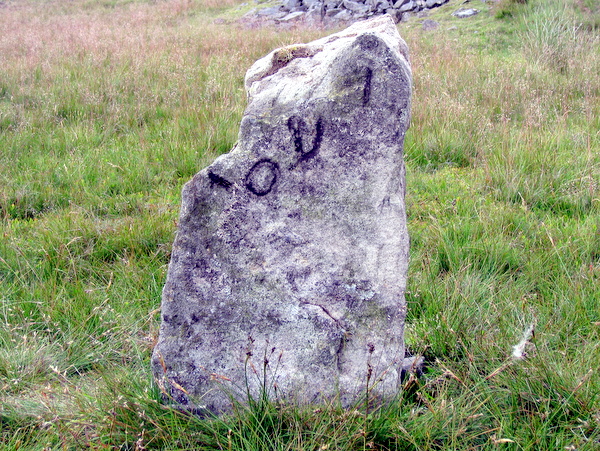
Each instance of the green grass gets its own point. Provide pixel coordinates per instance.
(107, 108)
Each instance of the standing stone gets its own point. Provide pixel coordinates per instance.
(289, 267)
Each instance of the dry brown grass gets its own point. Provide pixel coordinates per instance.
(36, 36)
(108, 106)
(33, 33)
(164, 51)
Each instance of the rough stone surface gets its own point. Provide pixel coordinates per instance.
(408, 6)
(290, 5)
(292, 16)
(289, 266)
(355, 7)
(429, 25)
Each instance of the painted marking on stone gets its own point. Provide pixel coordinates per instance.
(368, 76)
(298, 127)
(218, 180)
(262, 177)
(316, 142)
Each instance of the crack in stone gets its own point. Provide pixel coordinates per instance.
(345, 333)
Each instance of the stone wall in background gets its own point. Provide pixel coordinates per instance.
(332, 12)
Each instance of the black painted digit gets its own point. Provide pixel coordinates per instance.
(298, 127)
(368, 76)
(262, 177)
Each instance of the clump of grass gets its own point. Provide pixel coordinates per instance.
(505, 9)
(107, 108)
(552, 37)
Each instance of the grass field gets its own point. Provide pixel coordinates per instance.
(108, 106)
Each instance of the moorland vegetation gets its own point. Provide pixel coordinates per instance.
(107, 107)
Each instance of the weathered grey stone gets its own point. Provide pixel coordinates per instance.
(289, 266)
(382, 5)
(295, 5)
(409, 6)
(292, 16)
(463, 13)
(429, 25)
(290, 5)
(312, 3)
(333, 3)
(271, 12)
(344, 15)
(355, 7)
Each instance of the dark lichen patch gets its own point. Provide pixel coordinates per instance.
(368, 42)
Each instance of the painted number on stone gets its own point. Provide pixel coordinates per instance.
(218, 180)
(262, 177)
(367, 74)
(298, 127)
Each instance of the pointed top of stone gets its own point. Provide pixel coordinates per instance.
(297, 62)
